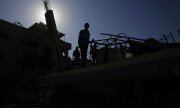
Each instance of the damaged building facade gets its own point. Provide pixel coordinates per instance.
(37, 48)
(27, 48)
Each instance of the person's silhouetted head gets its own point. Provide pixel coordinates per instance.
(92, 40)
(77, 48)
(86, 25)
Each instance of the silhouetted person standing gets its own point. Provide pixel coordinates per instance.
(83, 42)
(93, 52)
(76, 55)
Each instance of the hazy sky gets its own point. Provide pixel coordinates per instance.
(136, 18)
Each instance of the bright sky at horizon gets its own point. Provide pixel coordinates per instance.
(136, 18)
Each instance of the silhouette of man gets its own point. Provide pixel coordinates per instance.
(76, 55)
(83, 42)
(93, 51)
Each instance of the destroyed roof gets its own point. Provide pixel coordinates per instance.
(39, 27)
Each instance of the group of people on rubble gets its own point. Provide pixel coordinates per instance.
(80, 56)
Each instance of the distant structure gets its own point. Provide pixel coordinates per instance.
(37, 48)
(121, 46)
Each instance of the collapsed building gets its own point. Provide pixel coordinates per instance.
(141, 81)
(36, 48)
(149, 78)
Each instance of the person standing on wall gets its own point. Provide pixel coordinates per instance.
(83, 42)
